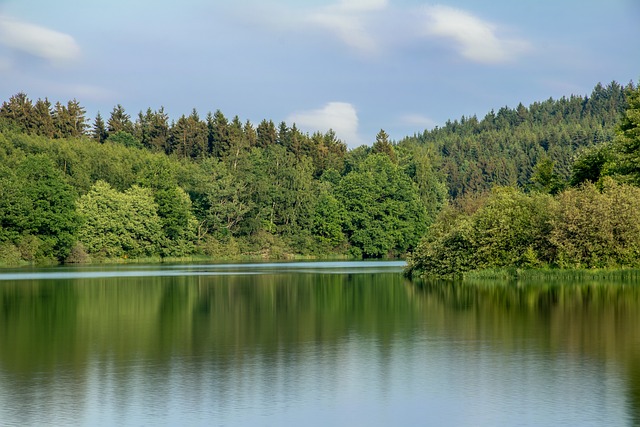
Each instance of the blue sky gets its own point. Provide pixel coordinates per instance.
(356, 66)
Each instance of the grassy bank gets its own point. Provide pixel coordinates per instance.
(194, 259)
(551, 274)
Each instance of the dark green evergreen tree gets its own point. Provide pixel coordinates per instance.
(77, 119)
(159, 132)
(99, 132)
(119, 120)
(62, 121)
(382, 145)
(189, 137)
(42, 118)
(19, 110)
(628, 137)
(266, 134)
(219, 135)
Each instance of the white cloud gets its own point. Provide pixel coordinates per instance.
(348, 20)
(342, 117)
(475, 39)
(42, 42)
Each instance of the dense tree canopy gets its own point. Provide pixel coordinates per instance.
(152, 186)
(595, 224)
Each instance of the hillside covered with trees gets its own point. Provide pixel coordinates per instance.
(76, 190)
(590, 220)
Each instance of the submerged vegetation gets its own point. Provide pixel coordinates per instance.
(548, 185)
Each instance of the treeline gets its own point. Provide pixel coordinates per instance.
(74, 190)
(188, 137)
(211, 188)
(595, 223)
(508, 146)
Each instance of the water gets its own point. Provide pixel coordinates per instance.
(313, 344)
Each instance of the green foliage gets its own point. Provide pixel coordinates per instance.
(99, 131)
(505, 147)
(189, 137)
(421, 164)
(152, 130)
(628, 138)
(581, 227)
(119, 121)
(9, 255)
(225, 200)
(594, 228)
(125, 139)
(545, 179)
(220, 249)
(382, 145)
(119, 224)
(510, 228)
(217, 184)
(591, 164)
(384, 213)
(178, 223)
(69, 121)
(328, 217)
(37, 210)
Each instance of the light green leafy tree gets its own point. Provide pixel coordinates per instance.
(119, 224)
(328, 217)
(594, 228)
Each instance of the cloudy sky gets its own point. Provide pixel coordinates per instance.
(352, 65)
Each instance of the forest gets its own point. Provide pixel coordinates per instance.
(119, 188)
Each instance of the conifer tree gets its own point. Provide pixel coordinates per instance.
(77, 125)
(158, 138)
(43, 120)
(19, 110)
(382, 145)
(266, 134)
(219, 141)
(61, 121)
(119, 121)
(628, 137)
(99, 131)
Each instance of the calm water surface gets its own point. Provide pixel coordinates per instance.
(313, 344)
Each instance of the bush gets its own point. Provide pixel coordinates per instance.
(9, 255)
(509, 228)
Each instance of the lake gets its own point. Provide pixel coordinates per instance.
(313, 344)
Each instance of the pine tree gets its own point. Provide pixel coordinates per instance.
(62, 121)
(219, 140)
(77, 120)
(382, 145)
(250, 134)
(19, 110)
(266, 134)
(628, 137)
(159, 131)
(189, 136)
(99, 131)
(43, 119)
(119, 121)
